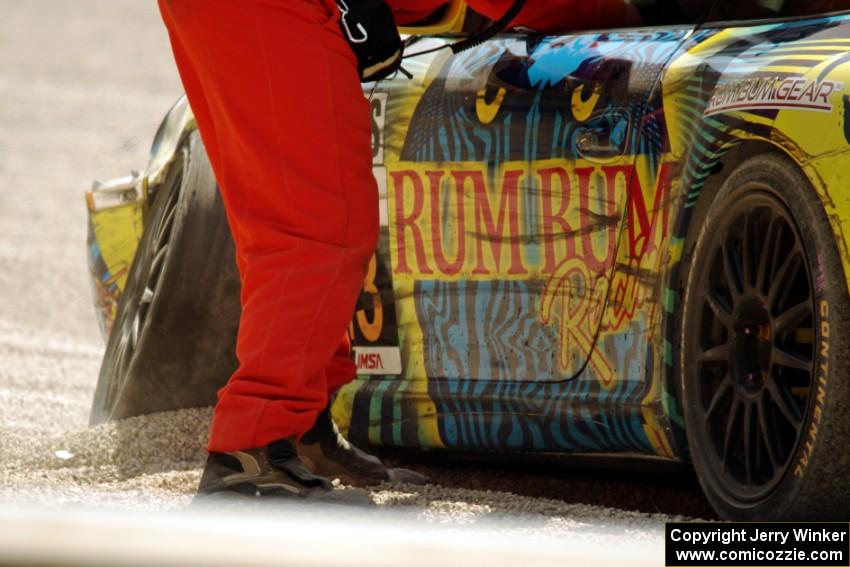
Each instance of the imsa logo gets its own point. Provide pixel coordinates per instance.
(371, 361)
(377, 361)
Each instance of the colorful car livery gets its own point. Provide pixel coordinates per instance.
(626, 241)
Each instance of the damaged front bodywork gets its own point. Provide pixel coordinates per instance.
(117, 211)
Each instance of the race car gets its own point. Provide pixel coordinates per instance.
(629, 242)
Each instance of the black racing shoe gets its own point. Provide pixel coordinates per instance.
(327, 453)
(272, 471)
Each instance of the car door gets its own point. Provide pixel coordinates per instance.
(507, 172)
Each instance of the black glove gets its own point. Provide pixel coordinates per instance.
(370, 29)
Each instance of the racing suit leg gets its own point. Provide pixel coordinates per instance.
(276, 93)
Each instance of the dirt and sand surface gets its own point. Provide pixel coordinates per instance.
(83, 85)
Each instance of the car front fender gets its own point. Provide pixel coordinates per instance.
(178, 122)
(117, 211)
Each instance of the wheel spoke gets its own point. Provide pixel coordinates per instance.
(748, 441)
(157, 263)
(719, 394)
(765, 432)
(118, 369)
(145, 303)
(164, 231)
(766, 248)
(784, 358)
(120, 363)
(791, 317)
(733, 276)
(715, 354)
(747, 256)
(134, 332)
(730, 426)
(784, 405)
(720, 309)
(783, 280)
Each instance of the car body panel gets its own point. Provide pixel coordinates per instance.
(536, 196)
(116, 223)
(117, 211)
(499, 267)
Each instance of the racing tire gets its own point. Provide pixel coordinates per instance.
(764, 349)
(172, 343)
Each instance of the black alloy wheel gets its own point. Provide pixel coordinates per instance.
(144, 287)
(751, 338)
(761, 358)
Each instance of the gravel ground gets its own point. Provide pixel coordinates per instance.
(83, 85)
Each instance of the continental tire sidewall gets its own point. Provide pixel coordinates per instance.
(814, 485)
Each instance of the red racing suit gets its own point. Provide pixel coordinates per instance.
(275, 91)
